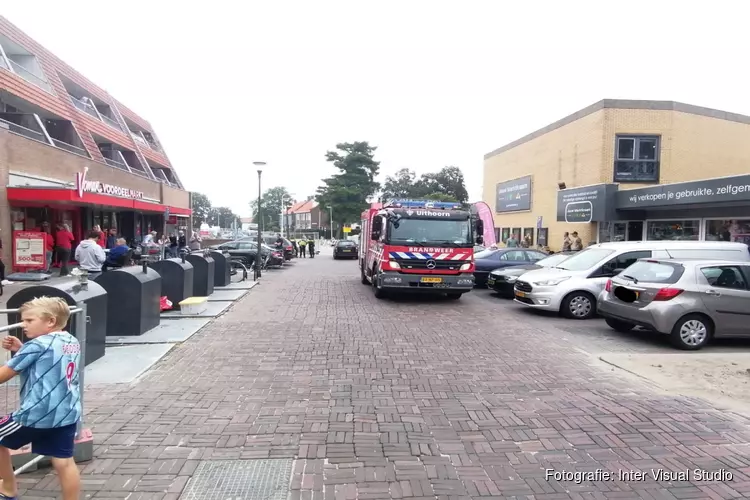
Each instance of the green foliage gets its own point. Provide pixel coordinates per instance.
(272, 201)
(201, 207)
(348, 190)
(446, 185)
(223, 217)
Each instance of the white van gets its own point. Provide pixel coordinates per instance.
(573, 286)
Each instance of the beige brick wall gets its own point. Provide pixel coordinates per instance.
(175, 197)
(580, 153)
(572, 153)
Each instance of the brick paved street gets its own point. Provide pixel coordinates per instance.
(404, 399)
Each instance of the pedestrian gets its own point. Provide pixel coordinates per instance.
(50, 403)
(112, 238)
(49, 246)
(90, 255)
(63, 245)
(512, 242)
(566, 242)
(294, 247)
(311, 247)
(302, 247)
(195, 241)
(576, 245)
(181, 241)
(102, 239)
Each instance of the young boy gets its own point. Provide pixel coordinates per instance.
(50, 405)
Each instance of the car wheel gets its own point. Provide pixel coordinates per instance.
(691, 332)
(363, 276)
(454, 295)
(578, 305)
(618, 325)
(376, 288)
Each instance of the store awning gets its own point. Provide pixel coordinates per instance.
(71, 197)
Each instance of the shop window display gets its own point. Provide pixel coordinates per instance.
(675, 230)
(728, 230)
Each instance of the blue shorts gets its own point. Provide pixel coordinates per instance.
(58, 442)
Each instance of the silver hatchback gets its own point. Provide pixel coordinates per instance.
(689, 300)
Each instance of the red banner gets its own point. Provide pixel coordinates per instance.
(29, 250)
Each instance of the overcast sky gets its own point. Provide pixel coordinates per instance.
(431, 83)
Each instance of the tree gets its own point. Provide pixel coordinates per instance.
(400, 185)
(449, 181)
(201, 206)
(274, 200)
(348, 190)
(223, 217)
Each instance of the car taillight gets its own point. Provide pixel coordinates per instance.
(288, 248)
(608, 286)
(667, 294)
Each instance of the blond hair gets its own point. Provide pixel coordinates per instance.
(48, 307)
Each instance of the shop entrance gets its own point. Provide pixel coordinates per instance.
(620, 231)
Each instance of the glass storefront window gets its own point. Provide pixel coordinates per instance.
(613, 231)
(728, 230)
(660, 230)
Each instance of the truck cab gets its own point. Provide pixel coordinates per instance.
(419, 246)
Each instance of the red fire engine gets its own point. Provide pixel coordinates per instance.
(418, 246)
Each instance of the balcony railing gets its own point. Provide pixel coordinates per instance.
(3, 64)
(84, 106)
(114, 158)
(30, 77)
(139, 139)
(70, 148)
(112, 123)
(11, 120)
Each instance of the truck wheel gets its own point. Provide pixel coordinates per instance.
(363, 275)
(454, 295)
(376, 288)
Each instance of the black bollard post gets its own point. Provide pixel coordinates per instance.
(145, 267)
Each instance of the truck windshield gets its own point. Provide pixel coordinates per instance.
(456, 232)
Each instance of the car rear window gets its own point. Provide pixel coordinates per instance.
(654, 272)
(346, 243)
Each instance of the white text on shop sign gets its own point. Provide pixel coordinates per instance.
(84, 185)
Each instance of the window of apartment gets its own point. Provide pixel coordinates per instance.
(637, 158)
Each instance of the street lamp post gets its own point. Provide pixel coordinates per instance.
(330, 211)
(258, 254)
(282, 221)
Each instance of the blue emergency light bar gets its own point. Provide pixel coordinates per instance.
(445, 205)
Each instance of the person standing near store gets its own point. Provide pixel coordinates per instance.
(311, 247)
(63, 243)
(102, 239)
(566, 242)
(49, 246)
(303, 247)
(512, 242)
(90, 255)
(112, 238)
(577, 244)
(195, 241)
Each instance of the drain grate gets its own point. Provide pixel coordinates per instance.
(240, 480)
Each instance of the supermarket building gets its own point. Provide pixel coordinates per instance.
(625, 170)
(72, 154)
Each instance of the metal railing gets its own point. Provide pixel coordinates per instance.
(20, 129)
(70, 148)
(112, 123)
(3, 64)
(114, 158)
(84, 106)
(79, 314)
(29, 76)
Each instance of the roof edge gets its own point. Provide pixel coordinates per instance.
(624, 104)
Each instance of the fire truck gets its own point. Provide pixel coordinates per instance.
(419, 246)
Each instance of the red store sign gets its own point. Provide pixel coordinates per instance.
(83, 185)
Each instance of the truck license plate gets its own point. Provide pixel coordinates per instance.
(520, 294)
(432, 280)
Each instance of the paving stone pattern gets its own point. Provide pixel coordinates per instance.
(411, 399)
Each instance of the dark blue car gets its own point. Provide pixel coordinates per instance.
(496, 258)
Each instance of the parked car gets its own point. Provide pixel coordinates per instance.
(479, 248)
(690, 301)
(503, 280)
(345, 249)
(243, 250)
(286, 245)
(573, 286)
(496, 258)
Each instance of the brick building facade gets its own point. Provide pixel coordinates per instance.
(625, 170)
(71, 153)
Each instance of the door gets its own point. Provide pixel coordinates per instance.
(621, 261)
(513, 258)
(725, 294)
(635, 230)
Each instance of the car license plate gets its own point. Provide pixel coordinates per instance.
(490, 281)
(432, 280)
(346, 250)
(520, 294)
